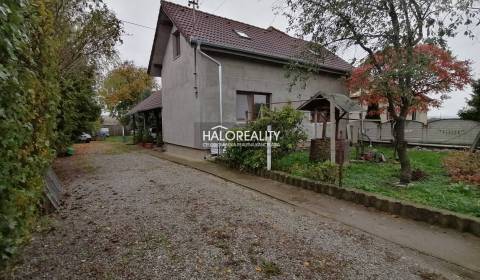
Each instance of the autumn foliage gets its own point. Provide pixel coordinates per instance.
(463, 166)
(433, 73)
(124, 87)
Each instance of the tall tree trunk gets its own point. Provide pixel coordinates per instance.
(401, 144)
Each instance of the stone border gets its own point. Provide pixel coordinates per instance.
(401, 208)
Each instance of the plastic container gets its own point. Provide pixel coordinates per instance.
(70, 151)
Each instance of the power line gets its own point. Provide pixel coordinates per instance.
(137, 24)
(219, 6)
(273, 20)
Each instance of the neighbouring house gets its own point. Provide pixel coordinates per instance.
(196, 54)
(113, 125)
(379, 112)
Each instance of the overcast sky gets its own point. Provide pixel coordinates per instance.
(137, 41)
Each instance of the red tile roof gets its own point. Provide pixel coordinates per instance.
(220, 32)
(154, 101)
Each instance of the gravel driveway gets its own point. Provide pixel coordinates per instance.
(130, 215)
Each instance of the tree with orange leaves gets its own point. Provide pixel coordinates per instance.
(402, 34)
(432, 73)
(124, 87)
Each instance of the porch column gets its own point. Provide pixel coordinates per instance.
(134, 126)
(159, 127)
(332, 131)
(144, 127)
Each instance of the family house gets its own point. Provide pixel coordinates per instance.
(217, 70)
(380, 113)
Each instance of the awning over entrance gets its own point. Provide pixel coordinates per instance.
(322, 100)
(153, 102)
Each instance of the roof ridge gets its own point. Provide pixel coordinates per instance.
(233, 20)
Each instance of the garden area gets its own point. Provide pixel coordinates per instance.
(441, 179)
(438, 183)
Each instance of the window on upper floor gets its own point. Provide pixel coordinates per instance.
(249, 104)
(176, 44)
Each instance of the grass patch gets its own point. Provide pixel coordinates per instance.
(119, 139)
(285, 163)
(119, 148)
(436, 190)
(270, 268)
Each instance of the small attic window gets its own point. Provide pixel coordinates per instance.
(241, 34)
(176, 44)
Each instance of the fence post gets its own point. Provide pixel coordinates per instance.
(269, 148)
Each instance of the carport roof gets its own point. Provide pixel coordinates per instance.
(154, 101)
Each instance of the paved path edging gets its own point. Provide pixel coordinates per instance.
(401, 208)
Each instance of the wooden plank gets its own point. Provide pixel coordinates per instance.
(53, 188)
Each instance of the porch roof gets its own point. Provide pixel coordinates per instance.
(323, 99)
(154, 101)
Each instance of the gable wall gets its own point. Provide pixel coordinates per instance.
(180, 106)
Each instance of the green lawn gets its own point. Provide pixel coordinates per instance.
(436, 190)
(128, 139)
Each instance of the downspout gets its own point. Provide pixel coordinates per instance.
(220, 95)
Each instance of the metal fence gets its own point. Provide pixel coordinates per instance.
(440, 132)
(453, 132)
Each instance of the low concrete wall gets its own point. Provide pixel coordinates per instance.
(404, 209)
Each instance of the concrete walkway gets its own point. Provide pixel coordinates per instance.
(461, 251)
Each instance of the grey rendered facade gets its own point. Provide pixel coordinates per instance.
(189, 99)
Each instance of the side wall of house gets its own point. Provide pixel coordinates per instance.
(242, 74)
(180, 106)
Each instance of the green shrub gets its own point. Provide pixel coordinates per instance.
(286, 120)
(324, 172)
(285, 163)
(145, 136)
(47, 97)
(139, 136)
(298, 164)
(28, 107)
